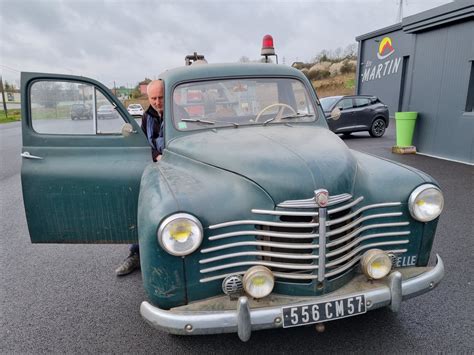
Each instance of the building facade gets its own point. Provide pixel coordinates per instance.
(425, 64)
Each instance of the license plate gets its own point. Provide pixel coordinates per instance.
(323, 311)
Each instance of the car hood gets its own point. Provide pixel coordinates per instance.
(287, 162)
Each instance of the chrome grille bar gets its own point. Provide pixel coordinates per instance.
(261, 244)
(264, 223)
(311, 202)
(357, 241)
(260, 253)
(311, 255)
(261, 262)
(360, 220)
(285, 213)
(264, 234)
(363, 247)
(363, 209)
(345, 207)
(361, 229)
(223, 276)
(322, 244)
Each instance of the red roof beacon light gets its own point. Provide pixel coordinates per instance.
(267, 48)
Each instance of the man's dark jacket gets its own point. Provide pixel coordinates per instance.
(152, 126)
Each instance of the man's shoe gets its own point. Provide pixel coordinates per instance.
(131, 263)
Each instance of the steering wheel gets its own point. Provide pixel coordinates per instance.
(279, 113)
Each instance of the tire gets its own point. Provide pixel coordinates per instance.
(378, 127)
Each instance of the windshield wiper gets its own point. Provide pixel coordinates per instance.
(197, 120)
(236, 125)
(298, 115)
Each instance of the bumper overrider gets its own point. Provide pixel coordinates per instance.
(245, 315)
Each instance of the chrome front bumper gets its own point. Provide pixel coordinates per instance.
(398, 286)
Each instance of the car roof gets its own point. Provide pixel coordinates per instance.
(209, 71)
(360, 96)
(332, 97)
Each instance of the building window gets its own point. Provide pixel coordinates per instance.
(470, 91)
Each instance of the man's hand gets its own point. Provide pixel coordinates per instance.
(158, 158)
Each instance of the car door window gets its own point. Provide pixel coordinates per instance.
(303, 102)
(361, 102)
(66, 107)
(345, 104)
(108, 118)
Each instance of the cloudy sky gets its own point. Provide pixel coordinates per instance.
(127, 40)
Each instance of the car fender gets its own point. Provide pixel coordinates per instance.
(179, 184)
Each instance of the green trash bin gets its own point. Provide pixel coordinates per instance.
(405, 124)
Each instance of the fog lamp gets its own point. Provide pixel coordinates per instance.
(180, 234)
(376, 264)
(258, 281)
(426, 203)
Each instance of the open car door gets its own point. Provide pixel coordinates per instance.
(82, 160)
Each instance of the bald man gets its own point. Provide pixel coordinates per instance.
(152, 126)
(152, 120)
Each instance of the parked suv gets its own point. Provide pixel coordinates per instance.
(79, 111)
(358, 113)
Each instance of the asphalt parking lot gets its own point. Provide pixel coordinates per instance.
(66, 298)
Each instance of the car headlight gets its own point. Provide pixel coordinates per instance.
(376, 264)
(258, 281)
(426, 203)
(180, 234)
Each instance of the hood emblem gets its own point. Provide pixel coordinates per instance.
(321, 197)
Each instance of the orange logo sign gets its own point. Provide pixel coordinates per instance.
(385, 48)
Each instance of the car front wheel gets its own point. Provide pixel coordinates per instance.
(378, 128)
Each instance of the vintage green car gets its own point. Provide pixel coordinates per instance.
(257, 216)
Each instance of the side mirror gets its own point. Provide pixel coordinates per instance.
(127, 130)
(335, 114)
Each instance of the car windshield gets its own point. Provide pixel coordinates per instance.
(106, 108)
(236, 102)
(327, 102)
(134, 106)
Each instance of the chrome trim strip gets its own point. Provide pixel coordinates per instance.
(322, 244)
(311, 203)
(262, 244)
(333, 200)
(363, 247)
(356, 259)
(363, 209)
(377, 294)
(345, 207)
(263, 223)
(260, 253)
(364, 228)
(284, 213)
(261, 262)
(357, 241)
(265, 234)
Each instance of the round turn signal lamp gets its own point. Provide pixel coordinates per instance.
(376, 264)
(258, 281)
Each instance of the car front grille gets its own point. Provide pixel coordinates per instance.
(287, 241)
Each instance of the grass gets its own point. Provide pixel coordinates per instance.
(343, 84)
(14, 115)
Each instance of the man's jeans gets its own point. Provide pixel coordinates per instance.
(134, 249)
